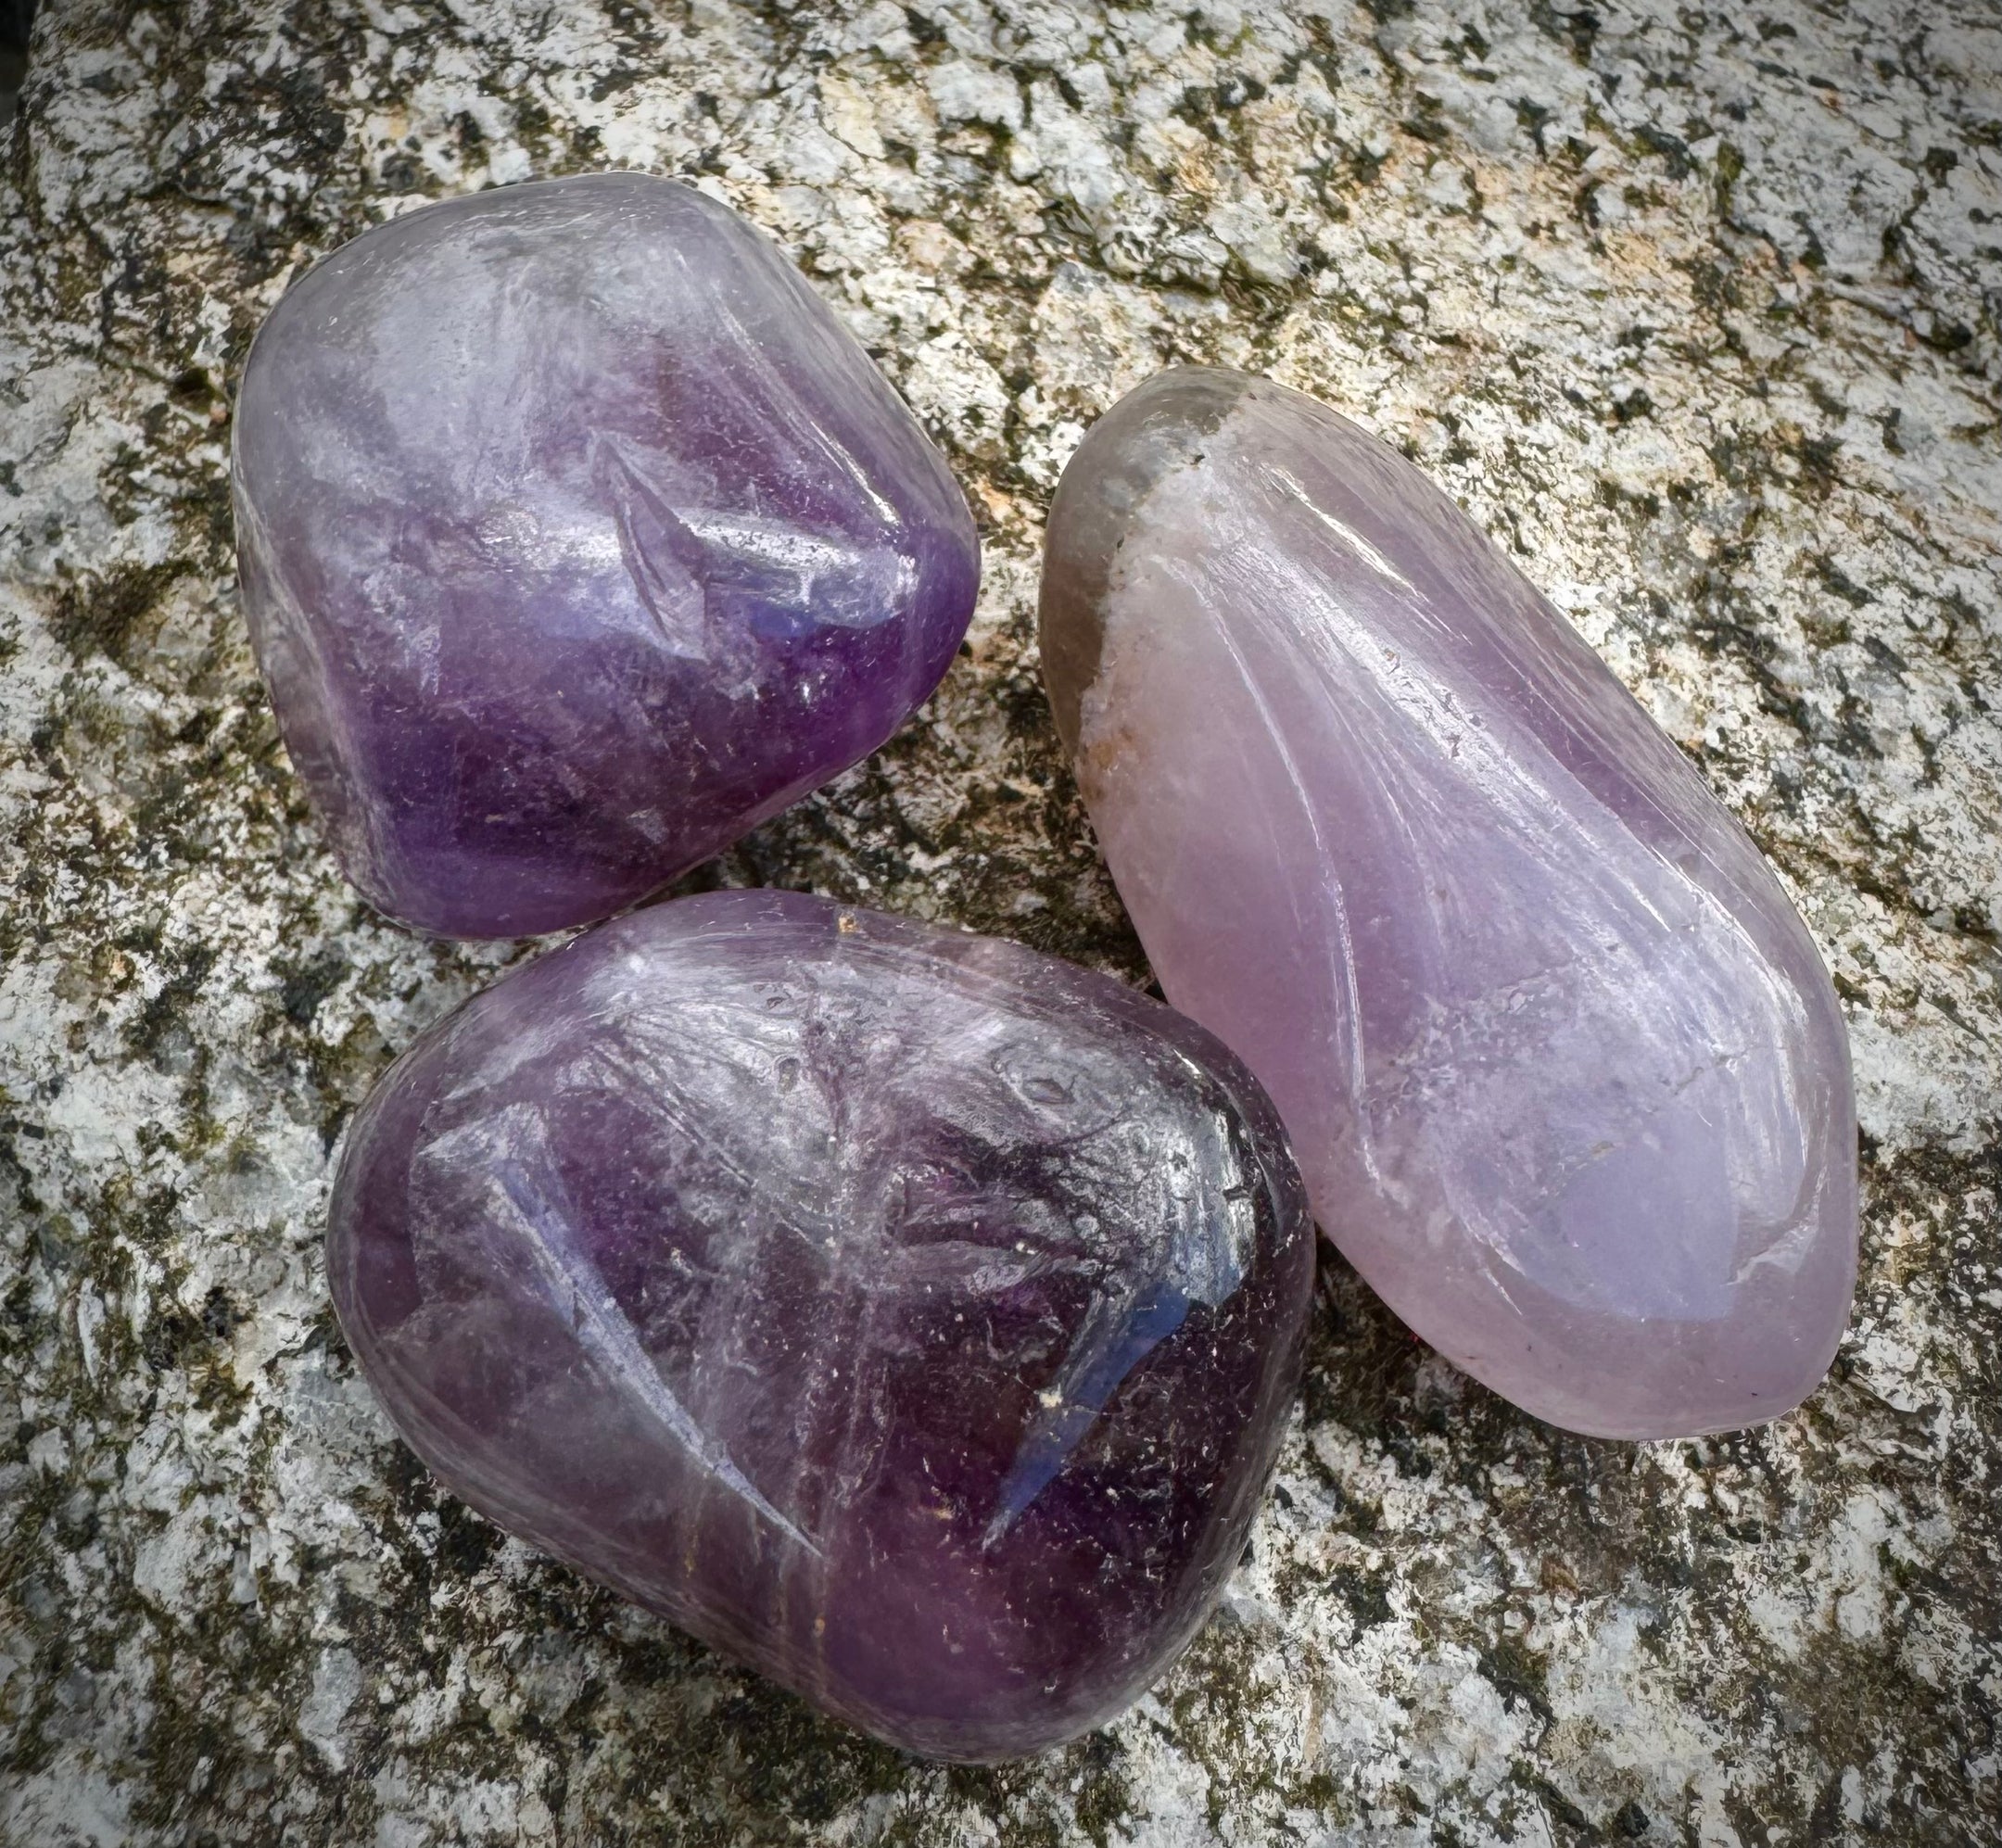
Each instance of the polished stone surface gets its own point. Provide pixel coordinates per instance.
(577, 536)
(906, 1313)
(1563, 1070)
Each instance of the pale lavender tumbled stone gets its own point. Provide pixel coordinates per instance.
(1563, 1068)
(578, 537)
(911, 1315)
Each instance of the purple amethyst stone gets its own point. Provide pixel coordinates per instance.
(577, 537)
(907, 1314)
(1561, 1062)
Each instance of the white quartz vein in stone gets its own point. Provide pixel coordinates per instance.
(682, 563)
(1201, 1261)
(1346, 1023)
(525, 1201)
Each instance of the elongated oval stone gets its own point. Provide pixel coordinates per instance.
(1564, 1072)
(578, 537)
(907, 1314)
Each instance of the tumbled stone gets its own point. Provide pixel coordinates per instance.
(1564, 1072)
(578, 537)
(908, 1315)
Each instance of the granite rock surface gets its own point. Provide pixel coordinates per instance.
(1693, 309)
(910, 1315)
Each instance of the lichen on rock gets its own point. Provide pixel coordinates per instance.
(1694, 309)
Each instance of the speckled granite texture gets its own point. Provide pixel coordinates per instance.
(1695, 310)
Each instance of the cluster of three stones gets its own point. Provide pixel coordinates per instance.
(911, 1315)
